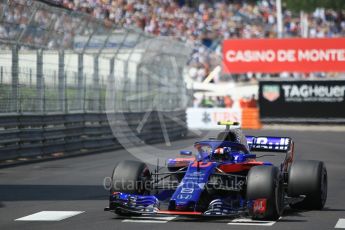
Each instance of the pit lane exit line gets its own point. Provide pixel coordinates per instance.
(245, 221)
(144, 219)
(340, 224)
(49, 216)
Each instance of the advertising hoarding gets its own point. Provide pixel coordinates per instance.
(306, 99)
(207, 118)
(284, 55)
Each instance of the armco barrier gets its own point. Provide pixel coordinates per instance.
(68, 79)
(31, 136)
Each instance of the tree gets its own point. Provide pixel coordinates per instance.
(311, 5)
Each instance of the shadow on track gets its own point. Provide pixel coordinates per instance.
(333, 209)
(180, 219)
(52, 192)
(208, 219)
(290, 212)
(291, 220)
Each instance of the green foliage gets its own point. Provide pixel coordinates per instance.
(5, 91)
(311, 5)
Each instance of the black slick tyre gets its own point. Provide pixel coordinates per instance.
(132, 177)
(265, 182)
(308, 178)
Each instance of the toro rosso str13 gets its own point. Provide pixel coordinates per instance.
(223, 179)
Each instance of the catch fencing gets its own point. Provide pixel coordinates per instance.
(63, 74)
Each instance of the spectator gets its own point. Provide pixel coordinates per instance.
(207, 102)
(228, 101)
(220, 102)
(202, 26)
(252, 103)
(243, 103)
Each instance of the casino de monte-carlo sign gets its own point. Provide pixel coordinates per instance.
(284, 55)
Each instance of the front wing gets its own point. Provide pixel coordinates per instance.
(126, 204)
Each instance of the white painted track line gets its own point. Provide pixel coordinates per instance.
(245, 221)
(149, 219)
(49, 216)
(340, 224)
(145, 221)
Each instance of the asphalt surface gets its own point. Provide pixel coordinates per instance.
(75, 184)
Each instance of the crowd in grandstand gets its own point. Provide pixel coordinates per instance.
(201, 24)
(44, 29)
(226, 102)
(205, 24)
(208, 20)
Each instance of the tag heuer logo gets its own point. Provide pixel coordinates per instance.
(271, 92)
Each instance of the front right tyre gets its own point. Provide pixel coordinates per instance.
(132, 177)
(265, 182)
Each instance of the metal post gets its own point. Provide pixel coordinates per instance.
(84, 94)
(126, 90)
(112, 68)
(1, 74)
(95, 86)
(15, 80)
(138, 89)
(44, 95)
(80, 94)
(304, 24)
(39, 80)
(279, 18)
(61, 81)
(111, 83)
(30, 76)
(66, 96)
(134, 82)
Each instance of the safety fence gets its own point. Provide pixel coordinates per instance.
(63, 74)
(31, 137)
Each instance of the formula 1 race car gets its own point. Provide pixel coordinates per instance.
(223, 179)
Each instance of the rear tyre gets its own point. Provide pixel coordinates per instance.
(308, 178)
(131, 177)
(265, 182)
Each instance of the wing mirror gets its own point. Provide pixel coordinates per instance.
(186, 152)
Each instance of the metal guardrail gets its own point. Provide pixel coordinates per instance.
(63, 73)
(37, 136)
(57, 60)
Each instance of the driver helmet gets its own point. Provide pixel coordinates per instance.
(222, 151)
(219, 151)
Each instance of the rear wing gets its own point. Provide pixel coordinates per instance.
(269, 144)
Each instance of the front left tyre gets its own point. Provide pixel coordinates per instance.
(308, 178)
(131, 177)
